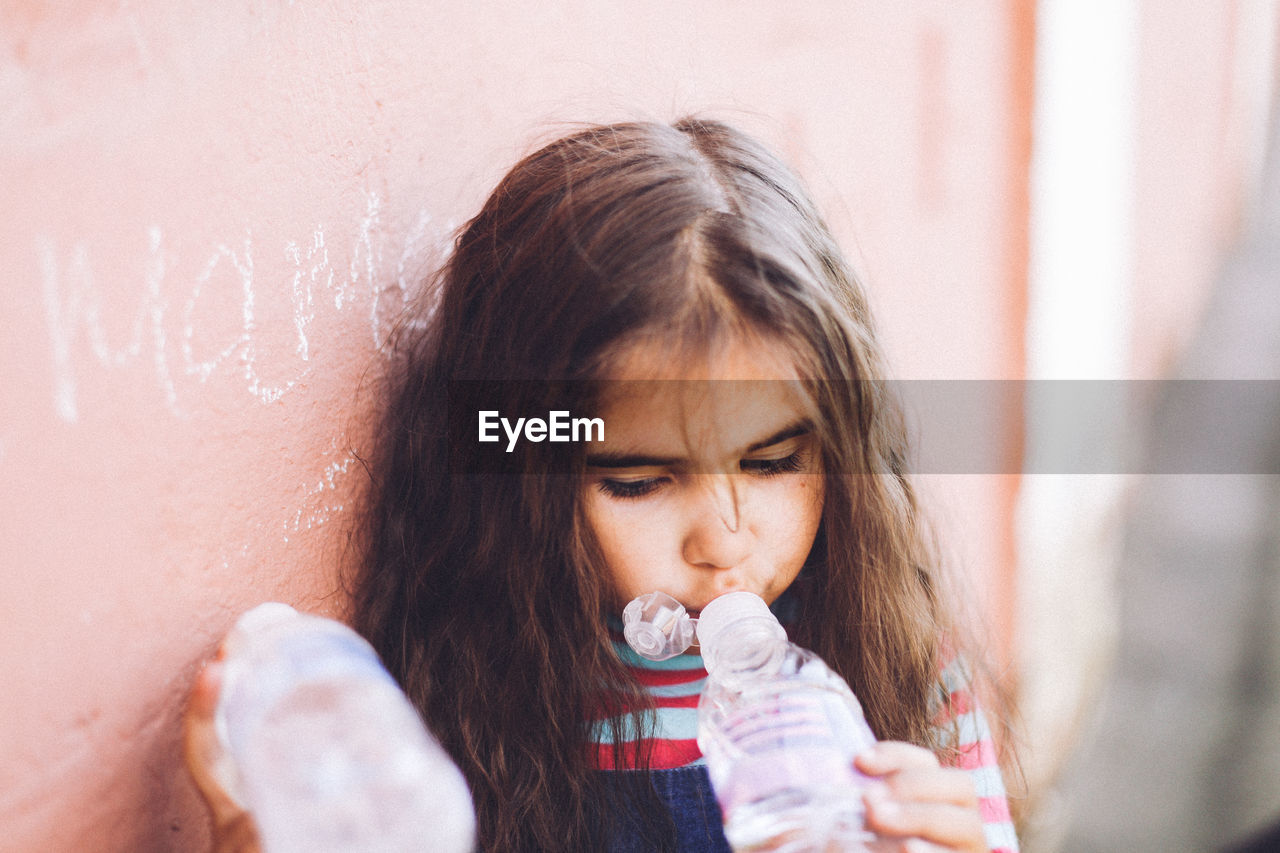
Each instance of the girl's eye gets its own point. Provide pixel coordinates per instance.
(629, 488)
(770, 467)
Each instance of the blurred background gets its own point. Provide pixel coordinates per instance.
(214, 212)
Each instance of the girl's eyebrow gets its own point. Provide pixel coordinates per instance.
(618, 460)
(636, 460)
(790, 431)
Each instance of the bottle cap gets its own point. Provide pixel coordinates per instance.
(739, 629)
(656, 626)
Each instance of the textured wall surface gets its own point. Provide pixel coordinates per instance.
(212, 214)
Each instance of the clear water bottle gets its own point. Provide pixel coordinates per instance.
(778, 728)
(329, 755)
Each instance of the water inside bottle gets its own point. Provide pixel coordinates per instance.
(323, 784)
(781, 754)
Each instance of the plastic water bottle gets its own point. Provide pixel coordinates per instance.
(778, 728)
(329, 754)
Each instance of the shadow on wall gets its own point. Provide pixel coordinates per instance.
(1185, 753)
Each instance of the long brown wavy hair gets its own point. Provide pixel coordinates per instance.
(481, 589)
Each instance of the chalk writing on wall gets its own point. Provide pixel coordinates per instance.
(321, 498)
(378, 277)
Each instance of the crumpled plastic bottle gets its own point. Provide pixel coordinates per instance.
(329, 755)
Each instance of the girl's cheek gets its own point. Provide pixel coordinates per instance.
(804, 492)
(815, 488)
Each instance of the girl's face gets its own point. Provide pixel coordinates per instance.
(701, 488)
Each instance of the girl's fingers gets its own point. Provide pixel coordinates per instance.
(918, 804)
(206, 760)
(956, 827)
(906, 845)
(210, 766)
(931, 784)
(890, 756)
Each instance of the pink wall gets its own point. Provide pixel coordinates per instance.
(1204, 101)
(212, 210)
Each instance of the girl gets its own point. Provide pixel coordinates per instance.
(676, 283)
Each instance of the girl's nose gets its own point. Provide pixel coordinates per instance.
(716, 537)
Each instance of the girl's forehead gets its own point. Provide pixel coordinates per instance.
(736, 399)
(701, 423)
(744, 356)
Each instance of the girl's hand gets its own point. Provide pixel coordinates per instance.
(210, 766)
(918, 806)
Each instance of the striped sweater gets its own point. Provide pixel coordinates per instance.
(676, 685)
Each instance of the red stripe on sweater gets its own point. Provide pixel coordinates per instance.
(977, 755)
(958, 704)
(677, 701)
(607, 709)
(994, 809)
(668, 677)
(666, 754)
(674, 753)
